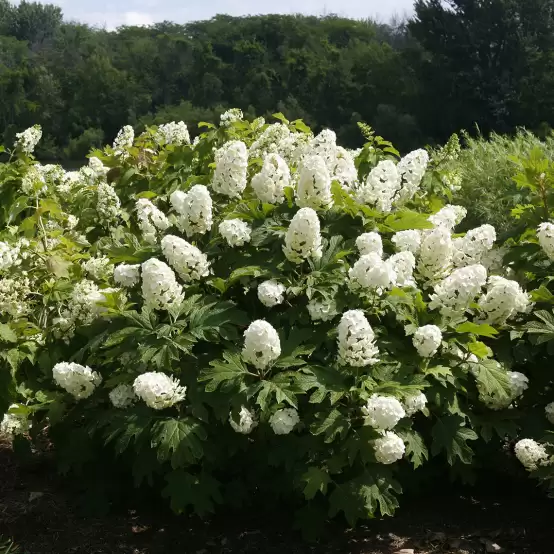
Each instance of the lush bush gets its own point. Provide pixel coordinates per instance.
(529, 251)
(260, 312)
(481, 175)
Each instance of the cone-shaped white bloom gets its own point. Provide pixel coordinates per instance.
(261, 344)
(159, 390)
(303, 238)
(187, 260)
(160, 288)
(231, 163)
(356, 340)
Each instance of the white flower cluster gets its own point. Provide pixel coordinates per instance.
(545, 234)
(531, 454)
(389, 448)
(10, 256)
(231, 162)
(99, 268)
(230, 116)
(108, 205)
(28, 139)
(414, 403)
(269, 184)
(160, 288)
(123, 141)
(519, 383)
(13, 296)
(471, 248)
(79, 381)
(503, 300)
(356, 340)
(435, 253)
(313, 189)
(402, 265)
(344, 169)
(246, 423)
(271, 293)
(411, 169)
(284, 421)
(270, 141)
(14, 423)
(235, 231)
(407, 241)
(303, 238)
(33, 182)
(194, 209)
(371, 273)
(83, 307)
(549, 412)
(322, 310)
(158, 390)
(367, 243)
(381, 186)
(187, 260)
(453, 295)
(150, 220)
(339, 162)
(448, 217)
(383, 412)
(69, 182)
(427, 340)
(122, 396)
(261, 344)
(127, 275)
(97, 167)
(173, 133)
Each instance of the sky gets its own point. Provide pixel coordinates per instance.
(113, 13)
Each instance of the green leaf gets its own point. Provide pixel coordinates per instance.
(200, 492)
(493, 379)
(404, 220)
(7, 334)
(229, 374)
(247, 271)
(209, 320)
(373, 492)
(480, 349)
(545, 328)
(416, 450)
(483, 329)
(49, 205)
(179, 441)
(542, 294)
(281, 386)
(332, 424)
(316, 480)
(450, 436)
(280, 117)
(126, 429)
(58, 266)
(360, 444)
(441, 373)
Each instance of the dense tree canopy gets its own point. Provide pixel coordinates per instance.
(477, 61)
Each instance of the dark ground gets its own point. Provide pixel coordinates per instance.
(39, 513)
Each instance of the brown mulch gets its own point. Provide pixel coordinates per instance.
(38, 511)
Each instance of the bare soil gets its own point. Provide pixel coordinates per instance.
(39, 512)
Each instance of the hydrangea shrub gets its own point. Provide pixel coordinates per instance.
(258, 310)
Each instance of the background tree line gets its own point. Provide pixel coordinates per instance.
(455, 64)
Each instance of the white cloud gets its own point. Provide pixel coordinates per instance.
(137, 18)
